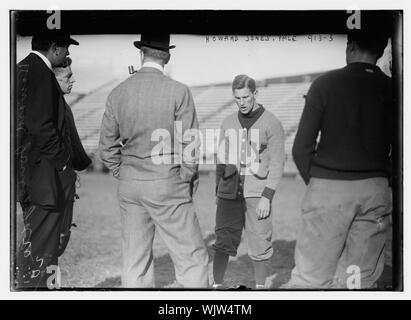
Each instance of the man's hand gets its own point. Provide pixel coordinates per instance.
(263, 208)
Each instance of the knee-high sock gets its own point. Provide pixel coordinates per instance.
(260, 271)
(219, 266)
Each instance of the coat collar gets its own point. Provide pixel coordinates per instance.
(36, 56)
(150, 64)
(44, 58)
(149, 70)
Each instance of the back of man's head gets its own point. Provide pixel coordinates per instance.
(371, 42)
(155, 55)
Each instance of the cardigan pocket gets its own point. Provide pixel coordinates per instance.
(229, 171)
(261, 174)
(260, 177)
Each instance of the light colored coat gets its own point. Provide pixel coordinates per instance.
(147, 101)
(154, 195)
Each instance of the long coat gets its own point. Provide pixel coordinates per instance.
(42, 144)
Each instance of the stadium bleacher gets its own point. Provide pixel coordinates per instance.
(88, 110)
(282, 96)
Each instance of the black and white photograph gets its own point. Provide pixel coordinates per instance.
(206, 151)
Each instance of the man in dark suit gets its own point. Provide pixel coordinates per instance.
(44, 158)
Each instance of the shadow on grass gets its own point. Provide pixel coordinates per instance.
(240, 270)
(163, 270)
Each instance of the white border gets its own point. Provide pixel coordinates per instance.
(197, 5)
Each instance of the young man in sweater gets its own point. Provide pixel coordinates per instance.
(347, 204)
(252, 161)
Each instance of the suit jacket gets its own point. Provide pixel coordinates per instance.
(42, 147)
(138, 138)
(80, 160)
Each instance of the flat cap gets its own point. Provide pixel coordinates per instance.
(55, 36)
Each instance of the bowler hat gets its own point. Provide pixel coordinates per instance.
(155, 41)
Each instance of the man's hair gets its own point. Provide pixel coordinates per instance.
(63, 67)
(156, 54)
(372, 42)
(243, 81)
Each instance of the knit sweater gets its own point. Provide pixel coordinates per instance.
(257, 154)
(352, 108)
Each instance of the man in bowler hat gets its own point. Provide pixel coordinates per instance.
(154, 193)
(44, 158)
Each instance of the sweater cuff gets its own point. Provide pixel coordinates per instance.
(268, 193)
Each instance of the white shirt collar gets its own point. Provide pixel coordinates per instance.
(151, 64)
(46, 61)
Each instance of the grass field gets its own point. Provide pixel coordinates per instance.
(93, 256)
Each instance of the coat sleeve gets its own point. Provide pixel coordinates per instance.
(80, 158)
(189, 145)
(110, 141)
(306, 138)
(275, 147)
(41, 119)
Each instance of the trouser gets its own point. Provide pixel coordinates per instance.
(67, 223)
(258, 233)
(232, 217)
(341, 242)
(165, 205)
(46, 234)
(37, 256)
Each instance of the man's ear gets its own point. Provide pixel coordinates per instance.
(141, 57)
(53, 47)
(168, 59)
